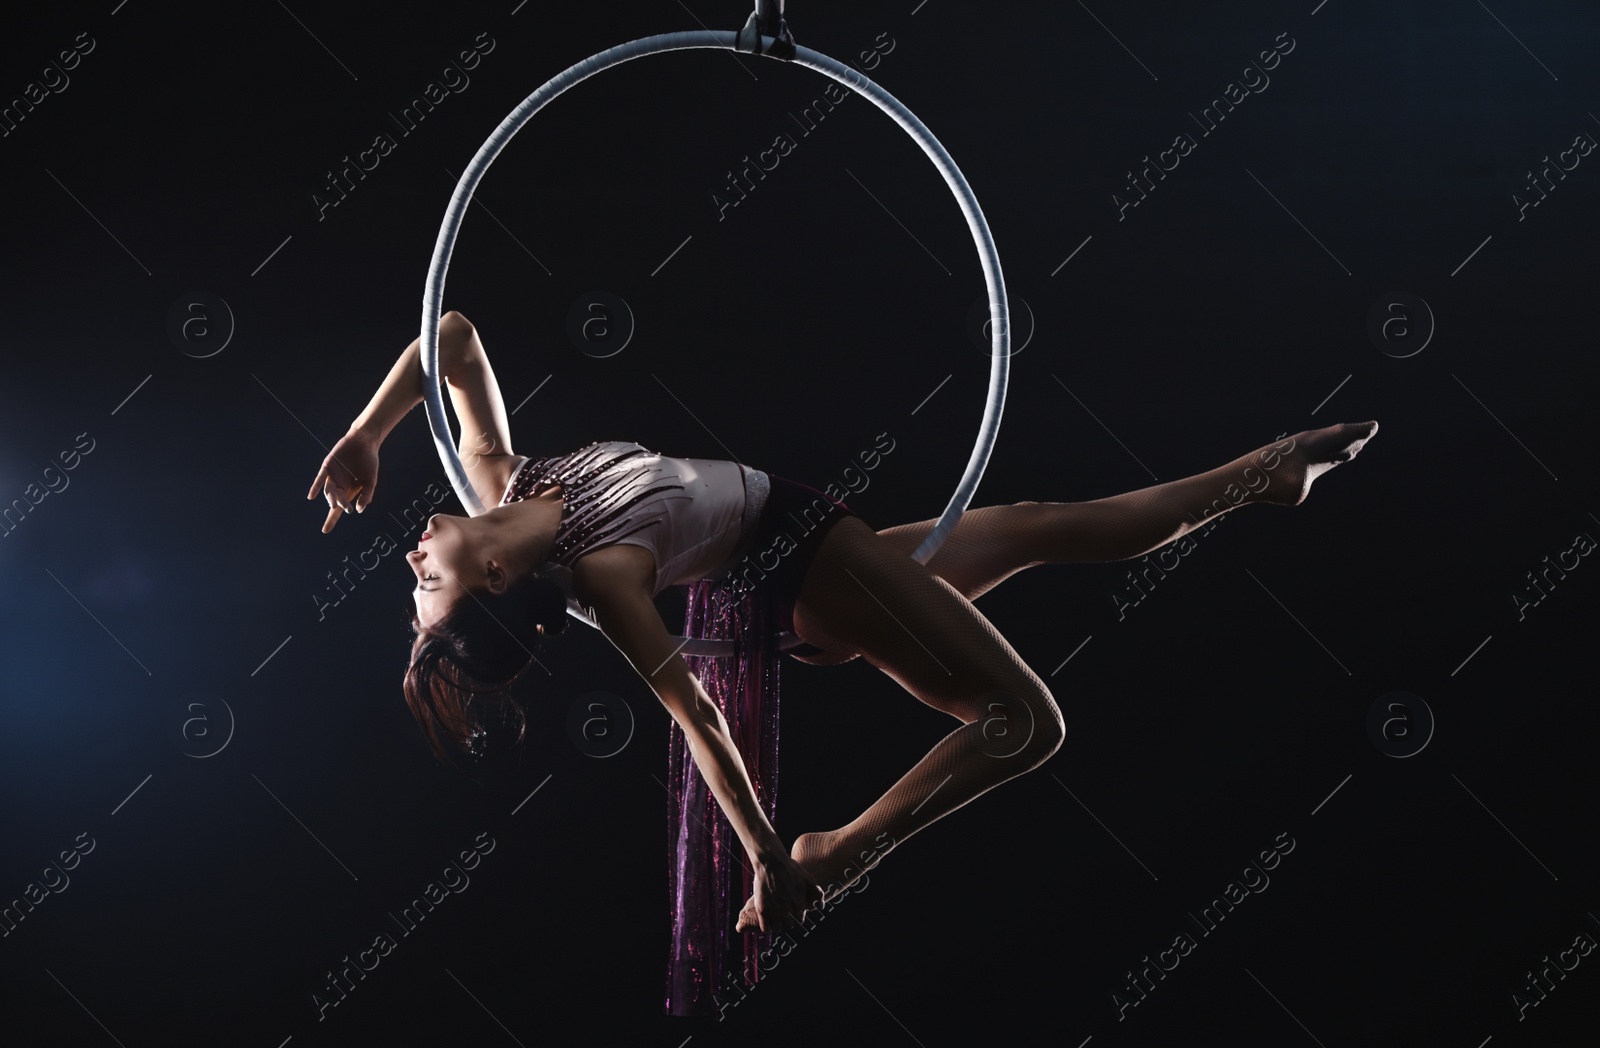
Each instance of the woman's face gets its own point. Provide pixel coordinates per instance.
(445, 565)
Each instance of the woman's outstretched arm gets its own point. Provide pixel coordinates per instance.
(349, 474)
(614, 582)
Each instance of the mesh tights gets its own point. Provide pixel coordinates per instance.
(864, 596)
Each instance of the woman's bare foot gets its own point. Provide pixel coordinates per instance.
(1291, 465)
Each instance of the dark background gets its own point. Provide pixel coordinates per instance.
(1227, 709)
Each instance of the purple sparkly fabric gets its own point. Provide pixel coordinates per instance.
(707, 871)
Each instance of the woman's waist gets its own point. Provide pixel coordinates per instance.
(757, 489)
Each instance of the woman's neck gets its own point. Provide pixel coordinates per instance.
(524, 532)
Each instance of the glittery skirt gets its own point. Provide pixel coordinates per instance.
(709, 964)
(707, 877)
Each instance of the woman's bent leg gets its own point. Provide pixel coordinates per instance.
(863, 596)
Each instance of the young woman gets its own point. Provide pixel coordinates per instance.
(614, 524)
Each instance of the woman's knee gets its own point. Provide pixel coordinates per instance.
(1023, 723)
(1053, 729)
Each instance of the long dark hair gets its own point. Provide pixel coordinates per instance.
(476, 652)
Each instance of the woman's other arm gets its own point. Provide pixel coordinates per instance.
(349, 474)
(614, 582)
(473, 390)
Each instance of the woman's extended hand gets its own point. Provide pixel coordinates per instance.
(348, 477)
(784, 892)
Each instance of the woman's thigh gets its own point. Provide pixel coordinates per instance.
(988, 545)
(862, 595)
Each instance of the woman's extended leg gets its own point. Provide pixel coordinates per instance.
(990, 544)
(863, 596)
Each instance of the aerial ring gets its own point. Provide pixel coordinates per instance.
(988, 255)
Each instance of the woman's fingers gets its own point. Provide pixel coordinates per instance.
(316, 485)
(348, 477)
(339, 501)
(338, 505)
(331, 489)
(750, 918)
(784, 905)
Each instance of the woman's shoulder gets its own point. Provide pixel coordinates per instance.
(504, 475)
(521, 474)
(600, 452)
(596, 445)
(594, 453)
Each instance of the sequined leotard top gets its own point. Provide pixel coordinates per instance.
(689, 513)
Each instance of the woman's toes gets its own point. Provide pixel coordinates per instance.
(1360, 432)
(1318, 450)
(1337, 443)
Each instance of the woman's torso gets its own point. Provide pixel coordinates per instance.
(687, 512)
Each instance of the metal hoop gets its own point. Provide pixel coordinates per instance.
(988, 254)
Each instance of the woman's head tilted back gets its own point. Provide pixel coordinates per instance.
(479, 612)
